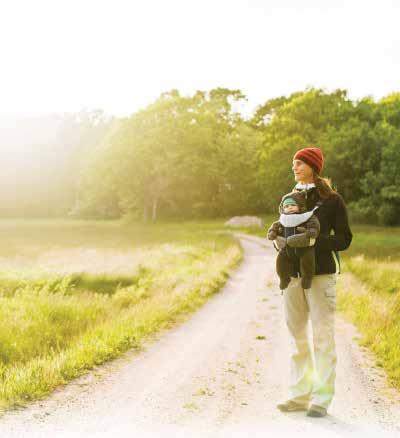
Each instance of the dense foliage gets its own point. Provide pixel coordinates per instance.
(196, 156)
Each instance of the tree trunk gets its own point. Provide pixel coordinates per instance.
(154, 214)
(145, 213)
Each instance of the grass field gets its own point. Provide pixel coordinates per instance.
(74, 294)
(77, 293)
(369, 293)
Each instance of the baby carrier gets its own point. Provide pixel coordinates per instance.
(291, 221)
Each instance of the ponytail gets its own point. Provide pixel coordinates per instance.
(323, 185)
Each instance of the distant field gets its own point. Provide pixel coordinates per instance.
(76, 293)
(382, 243)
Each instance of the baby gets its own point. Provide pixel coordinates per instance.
(295, 217)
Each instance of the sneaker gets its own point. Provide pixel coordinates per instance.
(290, 406)
(316, 411)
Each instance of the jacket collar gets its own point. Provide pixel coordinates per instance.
(301, 186)
(310, 191)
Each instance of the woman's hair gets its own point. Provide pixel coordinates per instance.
(323, 185)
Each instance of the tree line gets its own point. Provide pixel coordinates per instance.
(42, 158)
(196, 156)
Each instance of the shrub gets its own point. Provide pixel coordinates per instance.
(389, 214)
(362, 211)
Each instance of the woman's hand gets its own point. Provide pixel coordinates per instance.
(280, 242)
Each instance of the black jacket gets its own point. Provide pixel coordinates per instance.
(332, 215)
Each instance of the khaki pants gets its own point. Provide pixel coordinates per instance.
(310, 382)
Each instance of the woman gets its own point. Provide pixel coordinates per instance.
(313, 389)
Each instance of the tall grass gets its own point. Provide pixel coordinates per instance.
(369, 293)
(381, 276)
(381, 243)
(377, 317)
(55, 325)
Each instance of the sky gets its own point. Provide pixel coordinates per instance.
(119, 56)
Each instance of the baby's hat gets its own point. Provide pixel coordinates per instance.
(293, 198)
(289, 200)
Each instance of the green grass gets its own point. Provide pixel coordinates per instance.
(369, 293)
(75, 294)
(377, 318)
(380, 275)
(382, 243)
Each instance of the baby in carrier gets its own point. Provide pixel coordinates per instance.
(298, 229)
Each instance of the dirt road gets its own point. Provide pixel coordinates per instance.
(219, 374)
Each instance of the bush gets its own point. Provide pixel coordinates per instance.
(88, 209)
(362, 212)
(389, 214)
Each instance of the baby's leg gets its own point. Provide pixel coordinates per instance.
(307, 267)
(283, 268)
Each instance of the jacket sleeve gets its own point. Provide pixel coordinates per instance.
(274, 230)
(342, 238)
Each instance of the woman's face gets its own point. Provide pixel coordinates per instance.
(302, 172)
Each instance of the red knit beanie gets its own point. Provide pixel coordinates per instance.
(311, 156)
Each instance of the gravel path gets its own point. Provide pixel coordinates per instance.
(216, 376)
